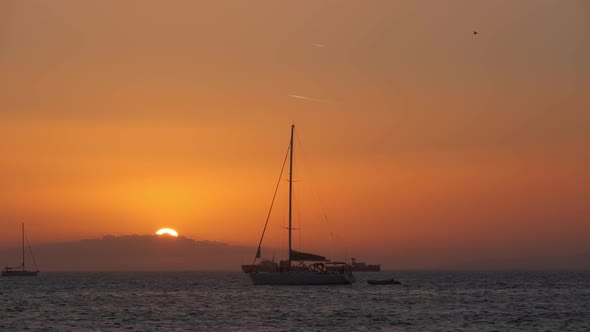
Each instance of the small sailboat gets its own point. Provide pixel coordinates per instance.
(286, 272)
(20, 271)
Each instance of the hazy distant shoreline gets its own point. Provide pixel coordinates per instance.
(151, 253)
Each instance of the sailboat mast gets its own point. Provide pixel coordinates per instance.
(290, 189)
(23, 238)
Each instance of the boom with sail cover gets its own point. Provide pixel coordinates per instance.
(304, 256)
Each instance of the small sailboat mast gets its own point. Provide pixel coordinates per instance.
(23, 246)
(290, 190)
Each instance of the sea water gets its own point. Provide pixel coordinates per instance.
(426, 301)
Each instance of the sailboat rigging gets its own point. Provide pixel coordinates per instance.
(21, 271)
(285, 273)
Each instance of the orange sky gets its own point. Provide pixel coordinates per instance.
(126, 116)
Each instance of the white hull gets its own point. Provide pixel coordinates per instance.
(300, 278)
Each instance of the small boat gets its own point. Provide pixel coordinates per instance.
(383, 282)
(20, 271)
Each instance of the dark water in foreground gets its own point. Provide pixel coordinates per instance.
(427, 301)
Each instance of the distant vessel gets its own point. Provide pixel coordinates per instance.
(285, 273)
(383, 282)
(362, 266)
(20, 271)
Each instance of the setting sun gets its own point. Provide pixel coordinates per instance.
(167, 231)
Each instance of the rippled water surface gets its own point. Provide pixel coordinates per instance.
(427, 301)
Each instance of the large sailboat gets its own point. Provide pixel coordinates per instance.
(300, 268)
(20, 271)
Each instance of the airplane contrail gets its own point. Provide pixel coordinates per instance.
(307, 98)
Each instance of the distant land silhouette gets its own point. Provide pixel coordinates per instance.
(165, 253)
(133, 253)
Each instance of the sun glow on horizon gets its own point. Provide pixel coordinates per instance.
(167, 231)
